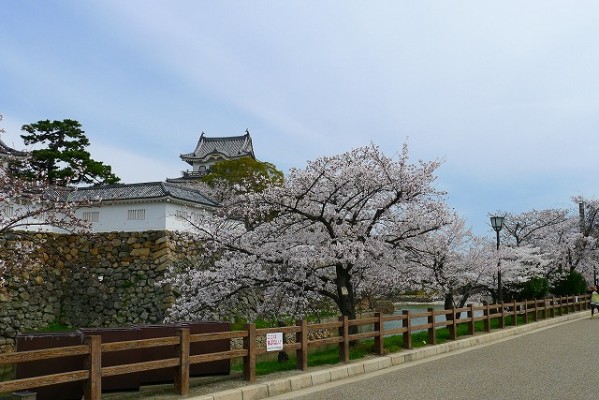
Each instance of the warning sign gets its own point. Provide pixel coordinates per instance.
(274, 341)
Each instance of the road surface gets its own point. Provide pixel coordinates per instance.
(557, 362)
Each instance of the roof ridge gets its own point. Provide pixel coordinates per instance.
(119, 185)
(10, 150)
(225, 137)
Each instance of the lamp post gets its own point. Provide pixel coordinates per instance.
(497, 224)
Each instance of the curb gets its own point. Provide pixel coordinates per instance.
(306, 380)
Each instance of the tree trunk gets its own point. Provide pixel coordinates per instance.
(346, 296)
(448, 304)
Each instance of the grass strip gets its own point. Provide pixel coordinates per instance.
(329, 355)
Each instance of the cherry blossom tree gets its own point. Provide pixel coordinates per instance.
(531, 227)
(582, 253)
(331, 233)
(453, 262)
(549, 244)
(534, 242)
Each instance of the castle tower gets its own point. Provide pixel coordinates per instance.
(211, 150)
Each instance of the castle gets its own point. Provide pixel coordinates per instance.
(149, 206)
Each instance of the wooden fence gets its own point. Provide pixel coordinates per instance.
(93, 349)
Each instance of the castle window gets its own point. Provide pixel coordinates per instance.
(196, 216)
(91, 216)
(181, 214)
(136, 215)
(8, 211)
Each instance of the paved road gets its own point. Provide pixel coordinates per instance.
(558, 362)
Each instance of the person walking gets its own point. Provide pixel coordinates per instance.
(594, 301)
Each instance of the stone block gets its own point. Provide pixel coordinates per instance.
(339, 373)
(398, 358)
(355, 369)
(254, 392)
(385, 362)
(233, 394)
(371, 365)
(320, 377)
(300, 382)
(279, 387)
(429, 352)
(140, 252)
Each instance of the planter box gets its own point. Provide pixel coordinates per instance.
(221, 367)
(110, 335)
(162, 375)
(44, 340)
(166, 375)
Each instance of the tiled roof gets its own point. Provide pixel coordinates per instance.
(229, 147)
(6, 150)
(141, 191)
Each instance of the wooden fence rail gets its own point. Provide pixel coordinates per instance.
(93, 350)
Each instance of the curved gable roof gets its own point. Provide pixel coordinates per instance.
(229, 147)
(6, 150)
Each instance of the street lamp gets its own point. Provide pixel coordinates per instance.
(497, 224)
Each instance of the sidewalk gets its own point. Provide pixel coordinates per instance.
(232, 387)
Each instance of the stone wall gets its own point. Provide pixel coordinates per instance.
(94, 280)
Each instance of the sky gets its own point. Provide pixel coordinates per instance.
(505, 93)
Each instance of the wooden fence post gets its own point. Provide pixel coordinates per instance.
(453, 327)
(487, 321)
(301, 337)
(432, 337)
(471, 326)
(559, 306)
(525, 311)
(552, 301)
(344, 345)
(535, 316)
(407, 335)
(587, 301)
(93, 363)
(502, 317)
(249, 361)
(515, 314)
(379, 340)
(182, 372)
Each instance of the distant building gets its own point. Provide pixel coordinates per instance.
(8, 152)
(209, 151)
(136, 207)
(142, 207)
(153, 205)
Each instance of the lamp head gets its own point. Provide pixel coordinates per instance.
(497, 223)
